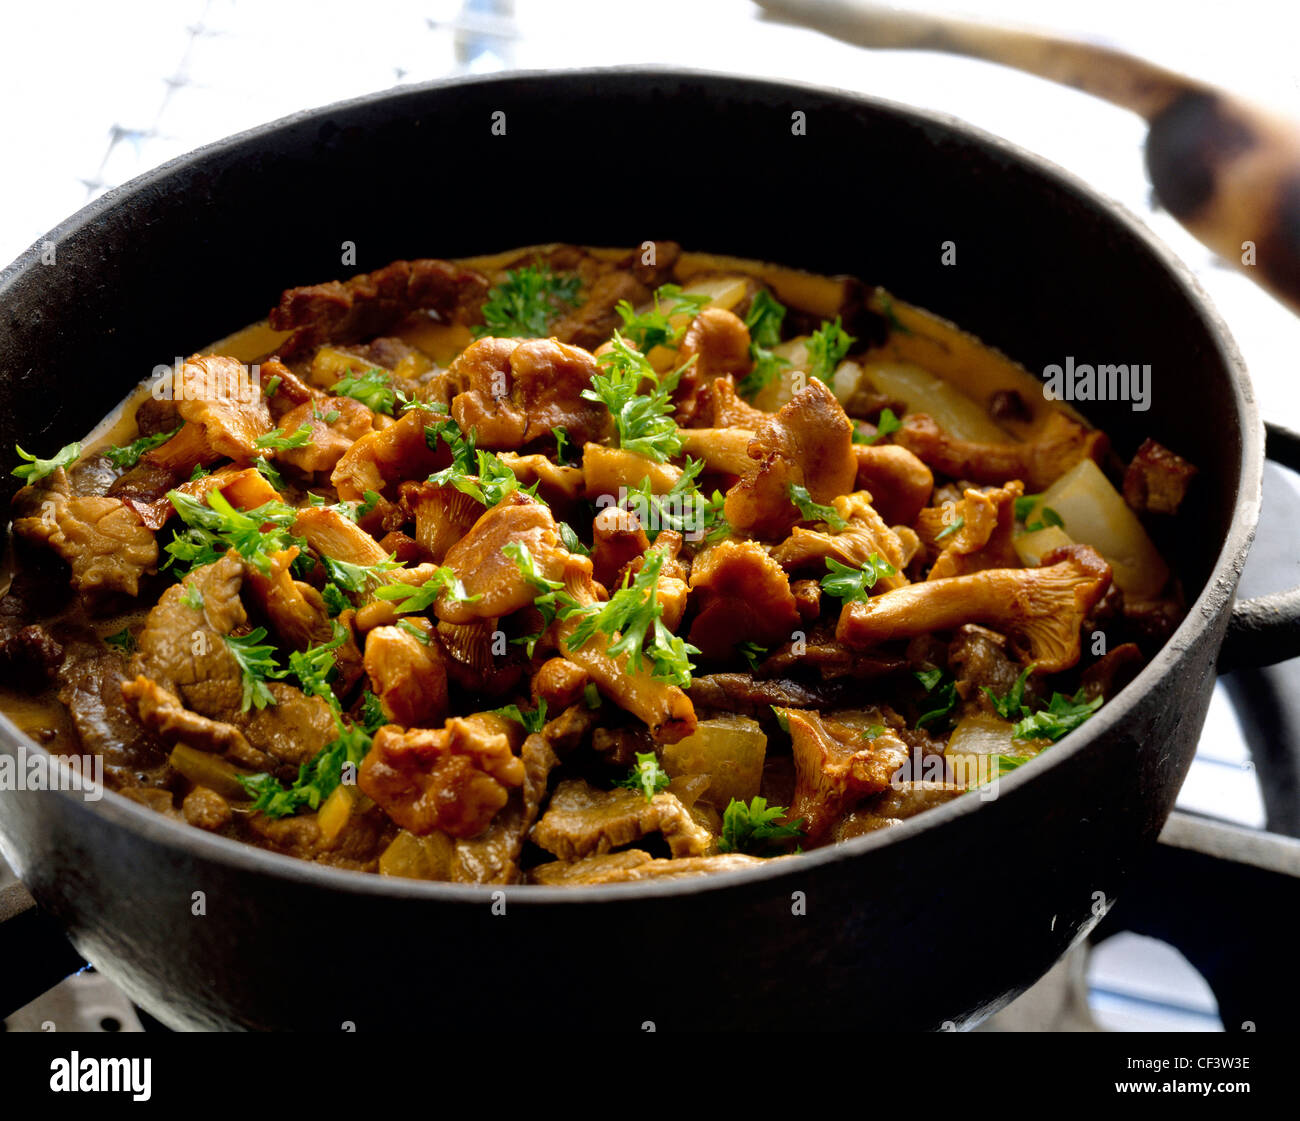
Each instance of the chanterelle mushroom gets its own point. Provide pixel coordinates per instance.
(1060, 445)
(835, 767)
(1041, 607)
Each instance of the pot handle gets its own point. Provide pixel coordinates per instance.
(1266, 629)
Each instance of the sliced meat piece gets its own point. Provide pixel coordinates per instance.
(1156, 481)
(90, 683)
(106, 545)
(513, 392)
(493, 856)
(29, 653)
(808, 443)
(183, 649)
(455, 778)
(582, 821)
(596, 319)
(744, 596)
(636, 864)
(836, 767)
(978, 659)
(373, 303)
(746, 695)
(895, 806)
(1060, 445)
(161, 712)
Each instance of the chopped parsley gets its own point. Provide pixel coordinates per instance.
(812, 511)
(1011, 707)
(123, 640)
(315, 667)
(941, 693)
(888, 425)
(126, 456)
(526, 302)
(214, 527)
(489, 484)
(414, 631)
(1047, 517)
(335, 601)
(276, 440)
(853, 585)
(193, 598)
(256, 663)
(374, 389)
(421, 597)
(373, 716)
(531, 721)
(684, 508)
(1063, 714)
(764, 320)
(643, 422)
(961, 521)
(269, 473)
(827, 347)
(646, 776)
(633, 614)
(34, 470)
(752, 653)
(653, 327)
(873, 731)
(356, 578)
(1024, 505)
(317, 779)
(753, 828)
(571, 540)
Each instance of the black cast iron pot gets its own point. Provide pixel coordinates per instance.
(941, 919)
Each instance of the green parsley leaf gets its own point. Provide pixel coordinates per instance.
(888, 425)
(683, 508)
(373, 716)
(1062, 714)
(752, 653)
(199, 472)
(653, 327)
(1011, 707)
(357, 578)
(1046, 518)
(643, 422)
(374, 389)
(123, 640)
(276, 440)
(753, 828)
(646, 776)
(1024, 505)
(764, 320)
(420, 597)
(335, 600)
(127, 456)
(532, 721)
(272, 386)
(526, 303)
(34, 470)
(873, 731)
(315, 668)
(812, 511)
(591, 695)
(827, 347)
(269, 473)
(942, 694)
(256, 663)
(633, 614)
(961, 521)
(214, 528)
(414, 631)
(317, 779)
(489, 485)
(571, 540)
(850, 585)
(193, 598)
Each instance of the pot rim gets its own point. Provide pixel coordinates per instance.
(1215, 597)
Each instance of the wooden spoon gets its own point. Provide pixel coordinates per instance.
(1227, 170)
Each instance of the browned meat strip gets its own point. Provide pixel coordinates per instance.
(373, 303)
(581, 821)
(513, 392)
(90, 684)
